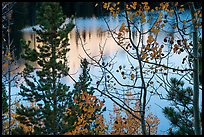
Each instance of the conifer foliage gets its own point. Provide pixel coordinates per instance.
(4, 103)
(85, 111)
(180, 114)
(49, 62)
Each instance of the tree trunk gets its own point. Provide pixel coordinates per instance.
(195, 75)
(9, 78)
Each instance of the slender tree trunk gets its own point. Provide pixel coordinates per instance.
(144, 94)
(9, 78)
(195, 75)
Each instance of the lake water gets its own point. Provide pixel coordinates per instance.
(93, 33)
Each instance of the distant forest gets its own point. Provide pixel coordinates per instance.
(24, 14)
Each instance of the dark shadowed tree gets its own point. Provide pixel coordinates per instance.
(85, 111)
(180, 114)
(47, 96)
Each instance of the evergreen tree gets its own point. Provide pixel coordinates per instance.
(84, 79)
(4, 106)
(84, 106)
(180, 113)
(49, 97)
(4, 100)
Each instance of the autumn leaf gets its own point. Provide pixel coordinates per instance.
(142, 20)
(150, 39)
(144, 56)
(132, 76)
(145, 3)
(122, 27)
(146, 8)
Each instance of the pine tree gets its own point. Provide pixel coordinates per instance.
(4, 100)
(4, 106)
(180, 113)
(49, 97)
(85, 111)
(84, 79)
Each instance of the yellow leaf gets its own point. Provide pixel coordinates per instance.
(132, 76)
(194, 20)
(142, 51)
(149, 20)
(114, 14)
(171, 10)
(156, 31)
(97, 122)
(143, 20)
(91, 110)
(145, 3)
(105, 5)
(144, 56)
(150, 39)
(132, 6)
(122, 27)
(143, 15)
(127, 6)
(146, 8)
(175, 26)
(175, 49)
(160, 14)
(134, 3)
(162, 25)
(85, 109)
(147, 47)
(155, 48)
(111, 9)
